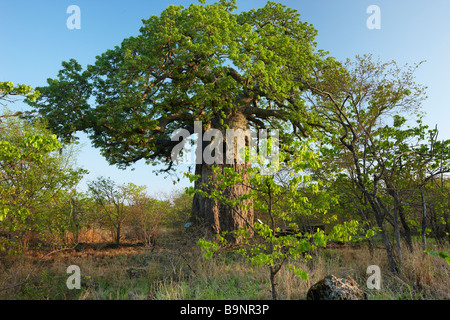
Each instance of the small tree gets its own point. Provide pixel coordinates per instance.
(281, 199)
(182, 206)
(362, 107)
(34, 169)
(66, 215)
(146, 215)
(113, 201)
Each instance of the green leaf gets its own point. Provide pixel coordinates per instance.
(445, 256)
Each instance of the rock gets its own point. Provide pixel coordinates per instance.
(333, 288)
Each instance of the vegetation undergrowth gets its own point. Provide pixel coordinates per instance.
(175, 270)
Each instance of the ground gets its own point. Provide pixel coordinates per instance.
(175, 269)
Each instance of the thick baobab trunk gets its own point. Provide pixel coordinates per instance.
(216, 216)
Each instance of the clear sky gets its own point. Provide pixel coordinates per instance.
(34, 40)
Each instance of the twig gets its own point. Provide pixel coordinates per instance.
(187, 263)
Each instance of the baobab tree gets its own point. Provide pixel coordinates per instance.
(203, 63)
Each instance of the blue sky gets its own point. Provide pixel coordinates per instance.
(34, 40)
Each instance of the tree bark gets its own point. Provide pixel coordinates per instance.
(397, 230)
(219, 217)
(399, 212)
(447, 227)
(406, 228)
(380, 219)
(117, 240)
(389, 251)
(273, 273)
(424, 220)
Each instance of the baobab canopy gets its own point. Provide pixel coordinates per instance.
(202, 63)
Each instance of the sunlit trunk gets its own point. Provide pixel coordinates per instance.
(218, 217)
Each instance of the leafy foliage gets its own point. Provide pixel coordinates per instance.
(34, 169)
(444, 255)
(281, 200)
(204, 63)
(8, 89)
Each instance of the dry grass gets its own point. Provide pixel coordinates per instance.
(174, 270)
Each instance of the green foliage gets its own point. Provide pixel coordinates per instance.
(281, 200)
(184, 65)
(34, 169)
(8, 89)
(180, 209)
(208, 247)
(378, 154)
(345, 231)
(208, 62)
(444, 255)
(67, 214)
